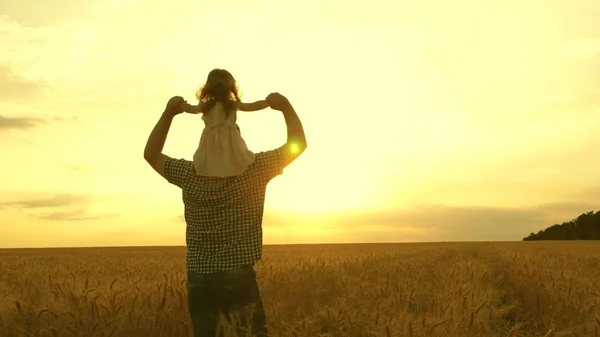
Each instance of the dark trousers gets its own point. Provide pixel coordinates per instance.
(210, 295)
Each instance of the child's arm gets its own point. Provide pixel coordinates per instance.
(255, 106)
(193, 109)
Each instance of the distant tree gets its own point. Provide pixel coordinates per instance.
(584, 227)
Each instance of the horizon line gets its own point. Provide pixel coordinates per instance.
(280, 244)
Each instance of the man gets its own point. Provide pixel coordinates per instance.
(224, 221)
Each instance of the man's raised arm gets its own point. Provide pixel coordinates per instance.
(296, 140)
(156, 141)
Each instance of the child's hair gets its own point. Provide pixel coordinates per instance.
(220, 87)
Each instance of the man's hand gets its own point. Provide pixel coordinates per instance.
(278, 102)
(173, 107)
(296, 140)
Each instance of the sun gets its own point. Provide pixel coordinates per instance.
(294, 148)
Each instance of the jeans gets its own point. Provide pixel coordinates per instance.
(210, 295)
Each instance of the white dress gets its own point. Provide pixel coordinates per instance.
(222, 151)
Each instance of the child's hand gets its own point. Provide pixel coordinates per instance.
(278, 102)
(192, 109)
(185, 106)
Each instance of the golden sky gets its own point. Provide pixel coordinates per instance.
(426, 120)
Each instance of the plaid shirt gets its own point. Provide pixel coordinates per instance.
(224, 215)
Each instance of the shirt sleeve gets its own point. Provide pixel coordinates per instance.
(177, 171)
(269, 164)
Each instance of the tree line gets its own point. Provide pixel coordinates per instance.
(584, 227)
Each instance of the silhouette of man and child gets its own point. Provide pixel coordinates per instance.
(223, 192)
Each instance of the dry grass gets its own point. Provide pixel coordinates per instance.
(442, 289)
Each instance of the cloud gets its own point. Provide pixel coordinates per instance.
(59, 200)
(18, 33)
(592, 193)
(429, 222)
(23, 123)
(20, 123)
(75, 168)
(66, 119)
(566, 207)
(79, 215)
(449, 223)
(13, 86)
(39, 13)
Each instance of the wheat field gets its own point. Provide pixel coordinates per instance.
(425, 289)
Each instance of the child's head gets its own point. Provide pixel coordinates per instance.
(221, 87)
